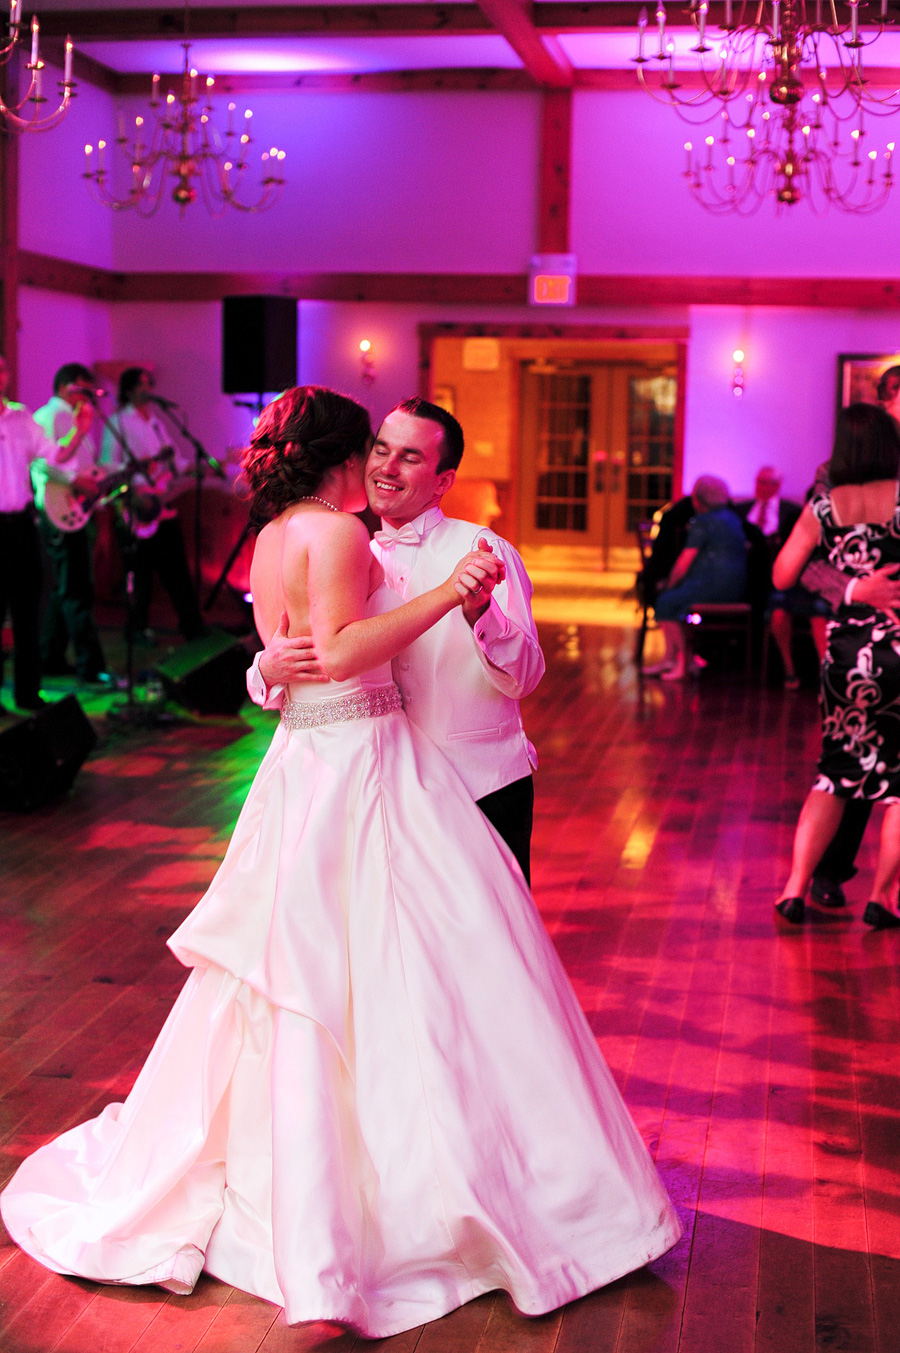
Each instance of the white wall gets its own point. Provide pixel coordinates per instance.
(54, 329)
(57, 215)
(786, 416)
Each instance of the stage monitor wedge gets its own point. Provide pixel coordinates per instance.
(207, 675)
(259, 344)
(40, 757)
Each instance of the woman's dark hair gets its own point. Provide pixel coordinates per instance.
(300, 436)
(866, 446)
(129, 380)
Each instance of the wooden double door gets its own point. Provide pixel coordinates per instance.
(597, 443)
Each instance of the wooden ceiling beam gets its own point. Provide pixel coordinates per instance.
(270, 21)
(512, 19)
(464, 80)
(376, 20)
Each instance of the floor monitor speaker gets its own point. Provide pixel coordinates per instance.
(259, 344)
(208, 675)
(40, 757)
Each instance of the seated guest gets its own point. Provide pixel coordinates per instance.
(712, 567)
(772, 514)
(774, 518)
(670, 528)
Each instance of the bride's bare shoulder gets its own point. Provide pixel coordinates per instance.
(326, 535)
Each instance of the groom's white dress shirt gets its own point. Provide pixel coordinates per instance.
(460, 685)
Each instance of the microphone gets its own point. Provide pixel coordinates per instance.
(90, 393)
(163, 403)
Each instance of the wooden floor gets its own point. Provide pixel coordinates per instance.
(761, 1066)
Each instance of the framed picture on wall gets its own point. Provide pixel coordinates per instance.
(859, 376)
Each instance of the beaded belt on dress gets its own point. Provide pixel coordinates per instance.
(365, 704)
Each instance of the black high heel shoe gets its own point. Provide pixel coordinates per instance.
(879, 917)
(793, 909)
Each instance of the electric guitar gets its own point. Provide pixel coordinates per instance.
(70, 509)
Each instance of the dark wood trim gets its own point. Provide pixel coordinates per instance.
(9, 232)
(681, 361)
(593, 333)
(512, 19)
(838, 293)
(387, 20)
(554, 173)
(238, 21)
(451, 80)
(84, 68)
(59, 274)
(859, 293)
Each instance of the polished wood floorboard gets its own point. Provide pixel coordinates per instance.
(760, 1063)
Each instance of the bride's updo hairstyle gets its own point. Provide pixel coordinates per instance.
(300, 436)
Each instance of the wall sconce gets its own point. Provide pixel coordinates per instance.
(367, 361)
(737, 375)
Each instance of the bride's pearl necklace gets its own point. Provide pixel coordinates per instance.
(311, 498)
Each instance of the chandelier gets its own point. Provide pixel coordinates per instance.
(792, 100)
(181, 141)
(26, 115)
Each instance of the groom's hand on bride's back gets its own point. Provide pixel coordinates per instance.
(288, 660)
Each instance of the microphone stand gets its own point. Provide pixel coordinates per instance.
(132, 714)
(203, 461)
(256, 407)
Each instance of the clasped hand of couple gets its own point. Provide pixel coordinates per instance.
(289, 659)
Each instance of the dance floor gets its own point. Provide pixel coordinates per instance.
(760, 1063)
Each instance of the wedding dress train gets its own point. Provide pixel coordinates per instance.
(376, 1096)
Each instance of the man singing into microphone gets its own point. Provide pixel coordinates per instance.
(69, 617)
(137, 433)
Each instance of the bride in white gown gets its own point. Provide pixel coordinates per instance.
(376, 1096)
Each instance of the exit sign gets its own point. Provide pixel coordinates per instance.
(551, 279)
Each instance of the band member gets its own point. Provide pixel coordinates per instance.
(136, 433)
(69, 617)
(25, 453)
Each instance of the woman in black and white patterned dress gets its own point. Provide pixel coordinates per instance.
(857, 524)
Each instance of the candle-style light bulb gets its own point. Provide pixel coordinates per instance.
(35, 30)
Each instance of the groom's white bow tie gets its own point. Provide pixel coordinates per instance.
(407, 535)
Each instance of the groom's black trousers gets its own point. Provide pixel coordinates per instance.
(510, 811)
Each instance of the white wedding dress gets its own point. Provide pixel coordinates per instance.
(376, 1096)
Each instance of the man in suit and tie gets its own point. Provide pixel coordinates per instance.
(463, 679)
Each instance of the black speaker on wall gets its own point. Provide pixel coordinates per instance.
(40, 757)
(208, 675)
(259, 344)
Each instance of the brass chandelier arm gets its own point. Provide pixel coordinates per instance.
(786, 80)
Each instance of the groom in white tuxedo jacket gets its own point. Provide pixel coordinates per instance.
(461, 681)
